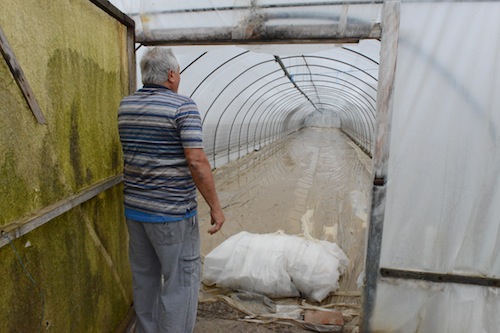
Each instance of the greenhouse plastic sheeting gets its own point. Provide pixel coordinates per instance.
(443, 192)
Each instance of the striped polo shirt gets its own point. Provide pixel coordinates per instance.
(155, 125)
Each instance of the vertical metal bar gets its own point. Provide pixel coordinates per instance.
(385, 97)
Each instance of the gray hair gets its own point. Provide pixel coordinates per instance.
(156, 63)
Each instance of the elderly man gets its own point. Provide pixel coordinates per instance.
(164, 163)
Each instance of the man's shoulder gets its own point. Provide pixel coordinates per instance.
(173, 96)
(168, 96)
(184, 99)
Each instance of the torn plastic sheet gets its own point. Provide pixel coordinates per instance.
(276, 265)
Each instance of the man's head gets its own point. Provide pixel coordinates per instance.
(159, 66)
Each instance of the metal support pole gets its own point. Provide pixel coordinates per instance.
(385, 97)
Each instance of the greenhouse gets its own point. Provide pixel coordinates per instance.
(355, 148)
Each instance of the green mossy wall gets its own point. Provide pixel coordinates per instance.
(74, 58)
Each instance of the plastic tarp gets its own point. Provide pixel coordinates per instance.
(276, 265)
(443, 193)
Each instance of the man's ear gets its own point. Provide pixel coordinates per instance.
(171, 77)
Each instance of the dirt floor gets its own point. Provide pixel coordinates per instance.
(315, 182)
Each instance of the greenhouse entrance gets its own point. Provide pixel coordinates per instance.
(289, 119)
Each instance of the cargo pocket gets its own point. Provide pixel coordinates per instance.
(190, 270)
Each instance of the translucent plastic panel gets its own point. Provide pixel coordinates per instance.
(442, 212)
(409, 306)
(445, 152)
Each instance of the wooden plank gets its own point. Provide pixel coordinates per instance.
(132, 75)
(114, 12)
(23, 226)
(20, 78)
(387, 72)
(304, 34)
(385, 96)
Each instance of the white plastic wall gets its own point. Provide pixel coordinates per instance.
(443, 195)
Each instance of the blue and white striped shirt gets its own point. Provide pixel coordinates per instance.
(155, 125)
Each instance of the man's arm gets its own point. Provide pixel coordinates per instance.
(204, 180)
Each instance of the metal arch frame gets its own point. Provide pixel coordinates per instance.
(306, 64)
(267, 113)
(234, 119)
(222, 91)
(369, 85)
(334, 60)
(284, 94)
(368, 105)
(251, 106)
(362, 93)
(342, 72)
(358, 88)
(274, 116)
(212, 72)
(365, 100)
(304, 57)
(253, 114)
(234, 98)
(289, 93)
(337, 79)
(358, 105)
(255, 101)
(279, 119)
(350, 127)
(362, 110)
(361, 54)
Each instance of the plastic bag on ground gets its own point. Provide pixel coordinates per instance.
(276, 265)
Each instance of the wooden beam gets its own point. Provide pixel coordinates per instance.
(385, 97)
(132, 73)
(114, 12)
(20, 78)
(287, 34)
(23, 226)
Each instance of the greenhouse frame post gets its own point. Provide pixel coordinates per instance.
(385, 97)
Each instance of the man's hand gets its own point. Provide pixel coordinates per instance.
(217, 219)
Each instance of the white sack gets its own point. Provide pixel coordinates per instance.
(276, 265)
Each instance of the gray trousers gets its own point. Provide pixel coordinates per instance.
(172, 251)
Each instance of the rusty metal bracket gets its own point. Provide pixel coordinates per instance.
(439, 277)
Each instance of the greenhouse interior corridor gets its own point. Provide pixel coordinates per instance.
(354, 147)
(289, 186)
